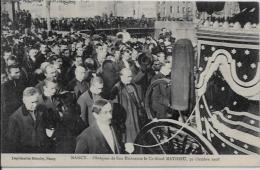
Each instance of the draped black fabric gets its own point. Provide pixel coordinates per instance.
(210, 7)
(249, 13)
(248, 5)
(183, 76)
(201, 6)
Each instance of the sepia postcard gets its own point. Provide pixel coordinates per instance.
(89, 83)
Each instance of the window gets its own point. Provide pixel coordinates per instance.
(171, 9)
(178, 9)
(134, 12)
(183, 9)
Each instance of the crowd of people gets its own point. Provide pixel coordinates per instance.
(23, 19)
(78, 93)
(97, 22)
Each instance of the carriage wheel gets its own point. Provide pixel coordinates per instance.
(148, 103)
(167, 136)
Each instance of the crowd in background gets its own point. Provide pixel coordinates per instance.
(70, 73)
(24, 19)
(100, 22)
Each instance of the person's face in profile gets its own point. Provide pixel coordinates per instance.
(58, 63)
(97, 88)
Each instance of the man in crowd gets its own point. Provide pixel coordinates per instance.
(49, 100)
(77, 61)
(12, 89)
(80, 83)
(127, 96)
(101, 56)
(67, 60)
(42, 56)
(161, 95)
(50, 72)
(110, 77)
(7, 52)
(11, 97)
(57, 62)
(104, 138)
(30, 63)
(49, 97)
(25, 130)
(143, 77)
(87, 99)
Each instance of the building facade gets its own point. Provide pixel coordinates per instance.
(175, 10)
(136, 9)
(59, 9)
(88, 8)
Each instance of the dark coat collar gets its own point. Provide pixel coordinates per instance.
(46, 98)
(24, 110)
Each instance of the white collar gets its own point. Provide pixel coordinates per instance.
(108, 134)
(102, 125)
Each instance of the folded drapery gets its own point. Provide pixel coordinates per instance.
(183, 90)
(210, 7)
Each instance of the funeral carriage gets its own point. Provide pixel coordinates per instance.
(219, 99)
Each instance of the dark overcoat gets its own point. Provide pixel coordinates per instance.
(160, 97)
(132, 110)
(92, 141)
(24, 134)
